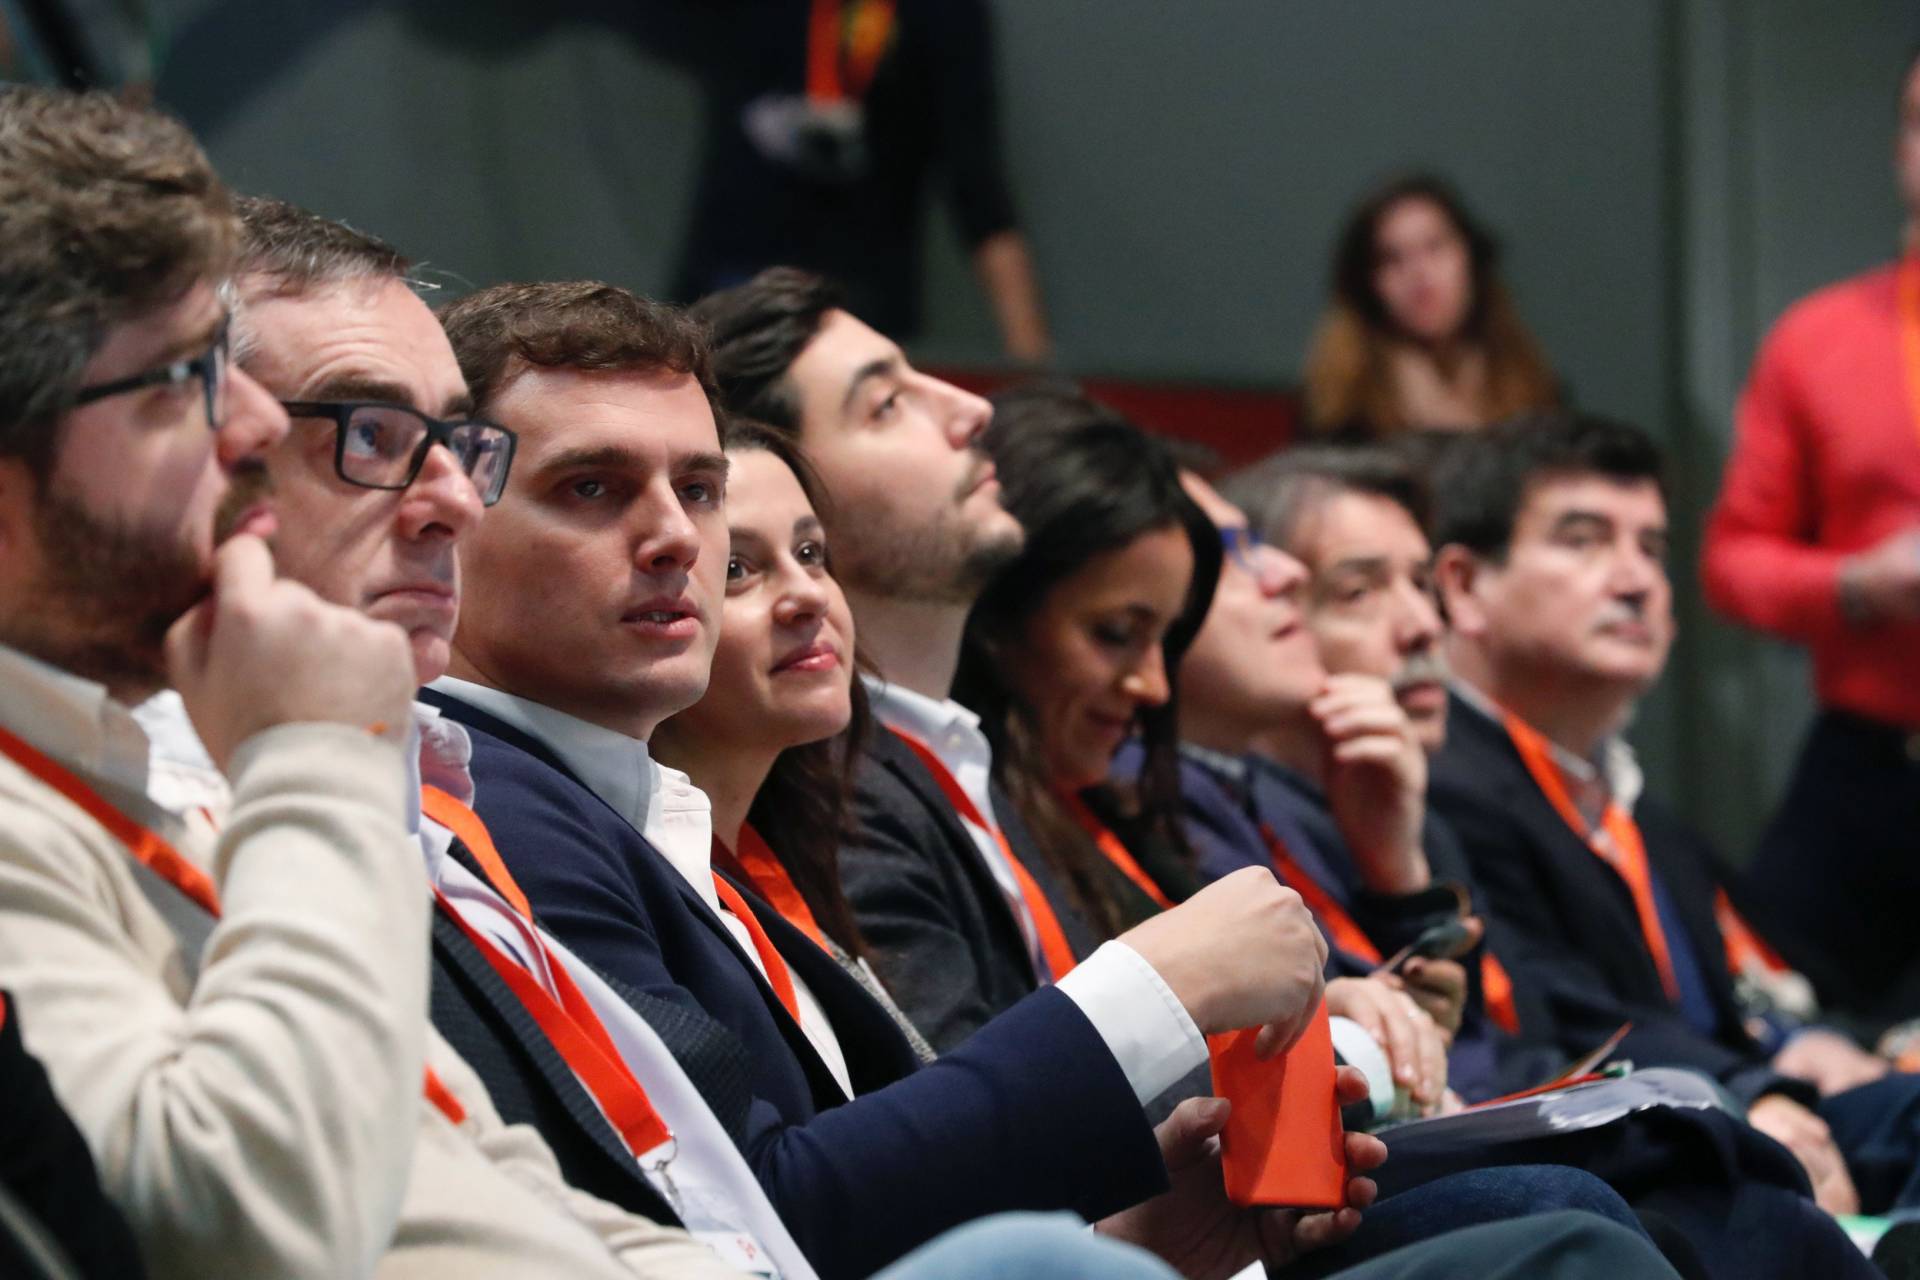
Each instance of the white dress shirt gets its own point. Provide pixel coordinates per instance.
(664, 806)
(1143, 1023)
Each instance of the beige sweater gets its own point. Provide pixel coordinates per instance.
(264, 1116)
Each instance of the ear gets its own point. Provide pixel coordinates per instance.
(1459, 575)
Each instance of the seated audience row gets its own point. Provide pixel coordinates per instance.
(335, 982)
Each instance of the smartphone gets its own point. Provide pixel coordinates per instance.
(1447, 940)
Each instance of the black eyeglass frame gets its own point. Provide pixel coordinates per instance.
(439, 431)
(210, 366)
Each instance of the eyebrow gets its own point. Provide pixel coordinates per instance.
(871, 369)
(615, 457)
(807, 524)
(594, 458)
(1375, 565)
(1582, 517)
(359, 387)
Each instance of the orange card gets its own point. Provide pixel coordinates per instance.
(1283, 1145)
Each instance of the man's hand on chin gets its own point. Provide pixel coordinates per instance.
(1205, 1236)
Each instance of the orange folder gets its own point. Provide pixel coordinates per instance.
(1283, 1145)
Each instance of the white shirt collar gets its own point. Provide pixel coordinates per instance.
(73, 720)
(952, 731)
(661, 803)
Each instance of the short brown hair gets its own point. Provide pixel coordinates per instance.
(288, 252)
(107, 212)
(299, 250)
(502, 332)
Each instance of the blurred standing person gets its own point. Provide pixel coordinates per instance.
(826, 120)
(1420, 332)
(1816, 539)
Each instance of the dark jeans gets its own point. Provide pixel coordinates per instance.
(1836, 876)
(1432, 1209)
(1877, 1128)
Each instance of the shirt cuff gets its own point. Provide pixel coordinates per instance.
(1145, 1027)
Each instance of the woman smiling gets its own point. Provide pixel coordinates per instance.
(774, 739)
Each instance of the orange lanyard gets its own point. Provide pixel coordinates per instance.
(575, 1030)
(770, 958)
(1115, 852)
(466, 824)
(844, 49)
(1623, 849)
(152, 851)
(1053, 939)
(1347, 934)
(1909, 298)
(569, 1022)
(1496, 989)
(1747, 952)
(762, 868)
(1496, 986)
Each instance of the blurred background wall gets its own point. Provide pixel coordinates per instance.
(1666, 176)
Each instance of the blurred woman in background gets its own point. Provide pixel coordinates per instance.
(1420, 332)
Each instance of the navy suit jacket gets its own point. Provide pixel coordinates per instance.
(1032, 1113)
(1569, 934)
(944, 939)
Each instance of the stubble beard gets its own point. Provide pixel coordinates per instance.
(109, 592)
(941, 561)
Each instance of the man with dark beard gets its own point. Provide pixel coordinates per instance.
(251, 1097)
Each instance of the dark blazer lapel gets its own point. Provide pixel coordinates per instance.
(460, 954)
(1594, 895)
(900, 761)
(876, 1053)
(821, 1079)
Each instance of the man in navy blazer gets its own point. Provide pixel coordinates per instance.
(593, 592)
(1552, 538)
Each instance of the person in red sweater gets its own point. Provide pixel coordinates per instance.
(1816, 539)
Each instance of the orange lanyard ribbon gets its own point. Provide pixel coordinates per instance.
(1495, 984)
(152, 851)
(770, 959)
(466, 824)
(761, 867)
(576, 1032)
(844, 48)
(1347, 934)
(1053, 939)
(1114, 851)
(1623, 849)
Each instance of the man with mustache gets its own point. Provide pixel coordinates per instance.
(1353, 518)
(1552, 535)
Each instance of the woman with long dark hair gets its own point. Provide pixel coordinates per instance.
(1075, 646)
(774, 741)
(1420, 331)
